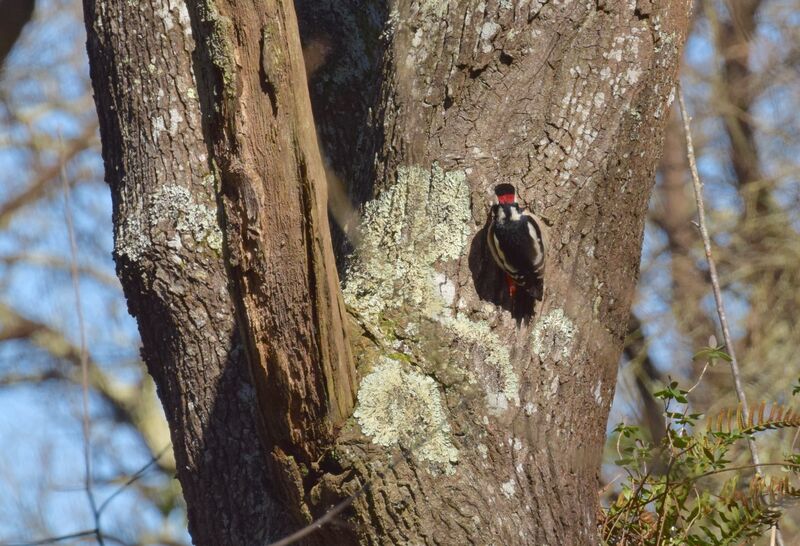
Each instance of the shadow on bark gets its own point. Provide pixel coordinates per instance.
(344, 44)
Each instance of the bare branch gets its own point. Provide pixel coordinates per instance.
(41, 184)
(136, 405)
(84, 353)
(52, 540)
(712, 268)
(723, 318)
(134, 478)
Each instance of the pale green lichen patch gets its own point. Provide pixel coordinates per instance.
(598, 393)
(172, 204)
(554, 336)
(170, 12)
(423, 220)
(500, 381)
(158, 127)
(509, 488)
(175, 203)
(129, 238)
(399, 406)
(433, 7)
(220, 47)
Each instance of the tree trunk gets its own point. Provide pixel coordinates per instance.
(169, 250)
(477, 419)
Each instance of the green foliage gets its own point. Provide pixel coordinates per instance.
(713, 353)
(670, 497)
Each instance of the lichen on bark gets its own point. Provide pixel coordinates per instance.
(419, 221)
(396, 284)
(559, 97)
(171, 207)
(397, 405)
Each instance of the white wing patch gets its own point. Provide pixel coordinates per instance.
(537, 238)
(533, 234)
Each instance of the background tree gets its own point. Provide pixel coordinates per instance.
(740, 79)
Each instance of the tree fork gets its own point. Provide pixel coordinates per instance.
(471, 427)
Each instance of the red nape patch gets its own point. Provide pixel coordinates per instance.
(506, 199)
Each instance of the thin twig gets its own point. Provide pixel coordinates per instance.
(331, 514)
(96, 532)
(688, 526)
(699, 379)
(138, 474)
(743, 467)
(36, 188)
(635, 504)
(662, 520)
(712, 269)
(320, 522)
(712, 342)
(607, 486)
(52, 540)
(84, 355)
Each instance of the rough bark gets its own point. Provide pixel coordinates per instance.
(262, 137)
(568, 102)
(479, 420)
(169, 256)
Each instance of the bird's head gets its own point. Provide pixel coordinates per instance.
(506, 194)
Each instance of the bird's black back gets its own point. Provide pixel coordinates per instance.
(521, 253)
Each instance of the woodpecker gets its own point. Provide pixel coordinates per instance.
(516, 239)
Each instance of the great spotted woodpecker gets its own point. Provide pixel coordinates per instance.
(516, 239)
